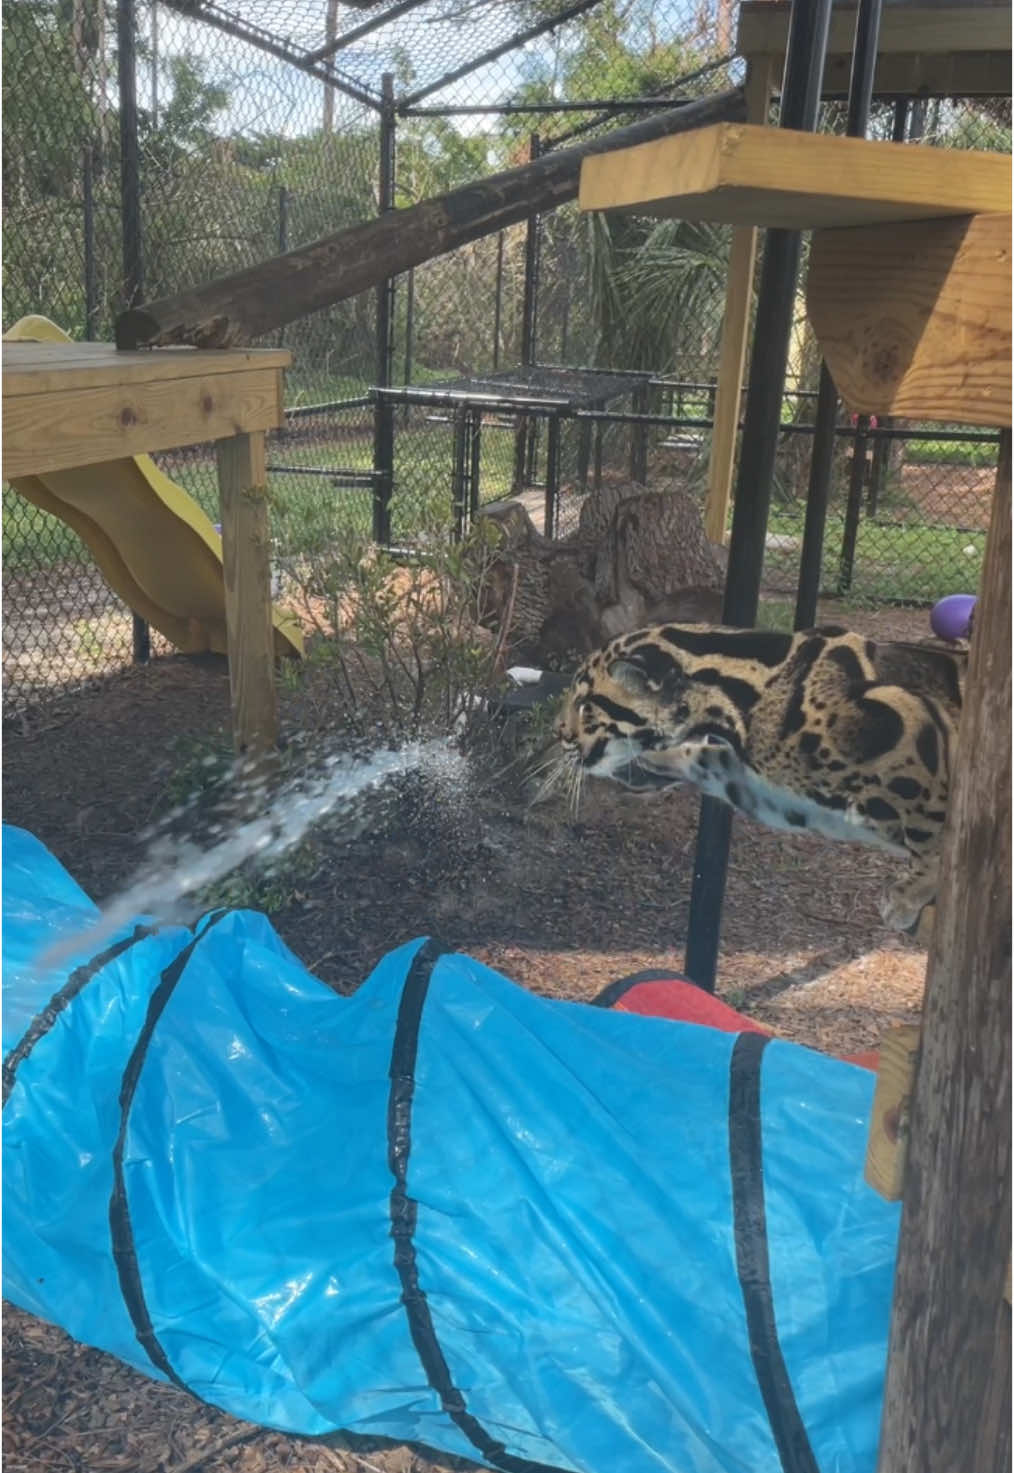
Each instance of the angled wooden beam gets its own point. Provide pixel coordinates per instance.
(238, 309)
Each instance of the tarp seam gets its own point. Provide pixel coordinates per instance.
(75, 983)
(746, 1166)
(404, 1215)
(128, 1270)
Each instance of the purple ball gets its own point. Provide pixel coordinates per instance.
(951, 618)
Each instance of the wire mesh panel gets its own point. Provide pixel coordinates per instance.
(260, 128)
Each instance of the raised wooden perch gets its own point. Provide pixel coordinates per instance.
(744, 174)
(238, 309)
(915, 319)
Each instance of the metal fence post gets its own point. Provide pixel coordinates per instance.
(809, 21)
(283, 236)
(409, 341)
(130, 208)
(383, 414)
(498, 301)
(864, 62)
(853, 509)
(524, 450)
(88, 230)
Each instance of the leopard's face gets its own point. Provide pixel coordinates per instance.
(618, 711)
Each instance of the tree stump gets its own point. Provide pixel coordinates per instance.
(637, 558)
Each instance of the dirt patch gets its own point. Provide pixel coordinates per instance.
(562, 904)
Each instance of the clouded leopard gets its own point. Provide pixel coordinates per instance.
(822, 731)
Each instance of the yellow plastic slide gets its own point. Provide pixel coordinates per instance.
(151, 541)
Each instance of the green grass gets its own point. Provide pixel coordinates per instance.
(974, 455)
(910, 562)
(34, 539)
(308, 511)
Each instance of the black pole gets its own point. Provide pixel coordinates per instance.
(817, 496)
(475, 463)
(884, 450)
(853, 508)
(409, 336)
(383, 412)
(498, 301)
(524, 452)
(88, 230)
(130, 210)
(530, 309)
(864, 65)
(459, 471)
(283, 236)
(639, 437)
(552, 505)
(800, 101)
(154, 63)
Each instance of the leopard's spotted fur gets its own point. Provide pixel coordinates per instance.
(821, 731)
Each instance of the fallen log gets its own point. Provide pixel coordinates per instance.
(238, 309)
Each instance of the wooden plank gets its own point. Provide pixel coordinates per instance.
(735, 331)
(256, 301)
(246, 558)
(951, 74)
(61, 429)
(916, 319)
(747, 175)
(947, 1401)
(939, 30)
(889, 1119)
(38, 368)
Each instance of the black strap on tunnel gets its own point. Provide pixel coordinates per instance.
(614, 991)
(128, 1269)
(75, 983)
(746, 1164)
(403, 1210)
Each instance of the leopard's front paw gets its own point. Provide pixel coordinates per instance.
(903, 910)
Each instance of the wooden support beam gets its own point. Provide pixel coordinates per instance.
(246, 558)
(922, 50)
(747, 175)
(916, 319)
(250, 304)
(947, 1404)
(889, 1120)
(735, 332)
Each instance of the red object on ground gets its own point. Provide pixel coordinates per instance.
(668, 995)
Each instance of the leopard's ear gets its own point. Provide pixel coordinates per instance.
(652, 677)
(630, 677)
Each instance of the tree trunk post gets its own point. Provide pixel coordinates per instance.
(947, 1401)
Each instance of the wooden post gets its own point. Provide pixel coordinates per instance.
(947, 1404)
(735, 331)
(242, 490)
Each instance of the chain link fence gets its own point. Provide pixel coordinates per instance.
(261, 127)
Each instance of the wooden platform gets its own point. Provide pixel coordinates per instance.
(743, 174)
(69, 405)
(923, 50)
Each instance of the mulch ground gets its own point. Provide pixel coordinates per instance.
(561, 903)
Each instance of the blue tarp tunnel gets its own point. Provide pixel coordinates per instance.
(443, 1210)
